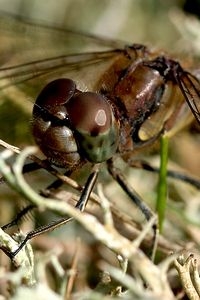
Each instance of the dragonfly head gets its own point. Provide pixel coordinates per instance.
(71, 126)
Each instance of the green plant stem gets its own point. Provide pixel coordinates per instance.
(162, 182)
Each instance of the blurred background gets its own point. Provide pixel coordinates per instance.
(171, 26)
(140, 21)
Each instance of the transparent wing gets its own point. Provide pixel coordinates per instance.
(190, 87)
(29, 51)
(25, 41)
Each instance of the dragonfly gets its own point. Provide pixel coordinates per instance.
(104, 101)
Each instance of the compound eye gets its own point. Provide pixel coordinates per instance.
(49, 124)
(52, 98)
(97, 131)
(57, 92)
(90, 113)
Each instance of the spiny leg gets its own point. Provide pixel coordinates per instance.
(141, 164)
(147, 212)
(119, 177)
(81, 204)
(56, 184)
(18, 217)
(28, 168)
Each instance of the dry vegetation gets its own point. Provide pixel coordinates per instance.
(105, 252)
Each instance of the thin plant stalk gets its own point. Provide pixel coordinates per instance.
(162, 182)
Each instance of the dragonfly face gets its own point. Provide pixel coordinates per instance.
(71, 126)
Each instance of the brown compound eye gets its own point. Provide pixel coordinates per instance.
(67, 121)
(92, 118)
(90, 113)
(57, 92)
(54, 95)
(50, 126)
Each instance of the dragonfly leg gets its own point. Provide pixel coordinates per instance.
(18, 217)
(119, 177)
(81, 204)
(141, 164)
(146, 210)
(55, 185)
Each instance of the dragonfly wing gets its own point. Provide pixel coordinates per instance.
(23, 41)
(190, 87)
(83, 68)
(36, 54)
